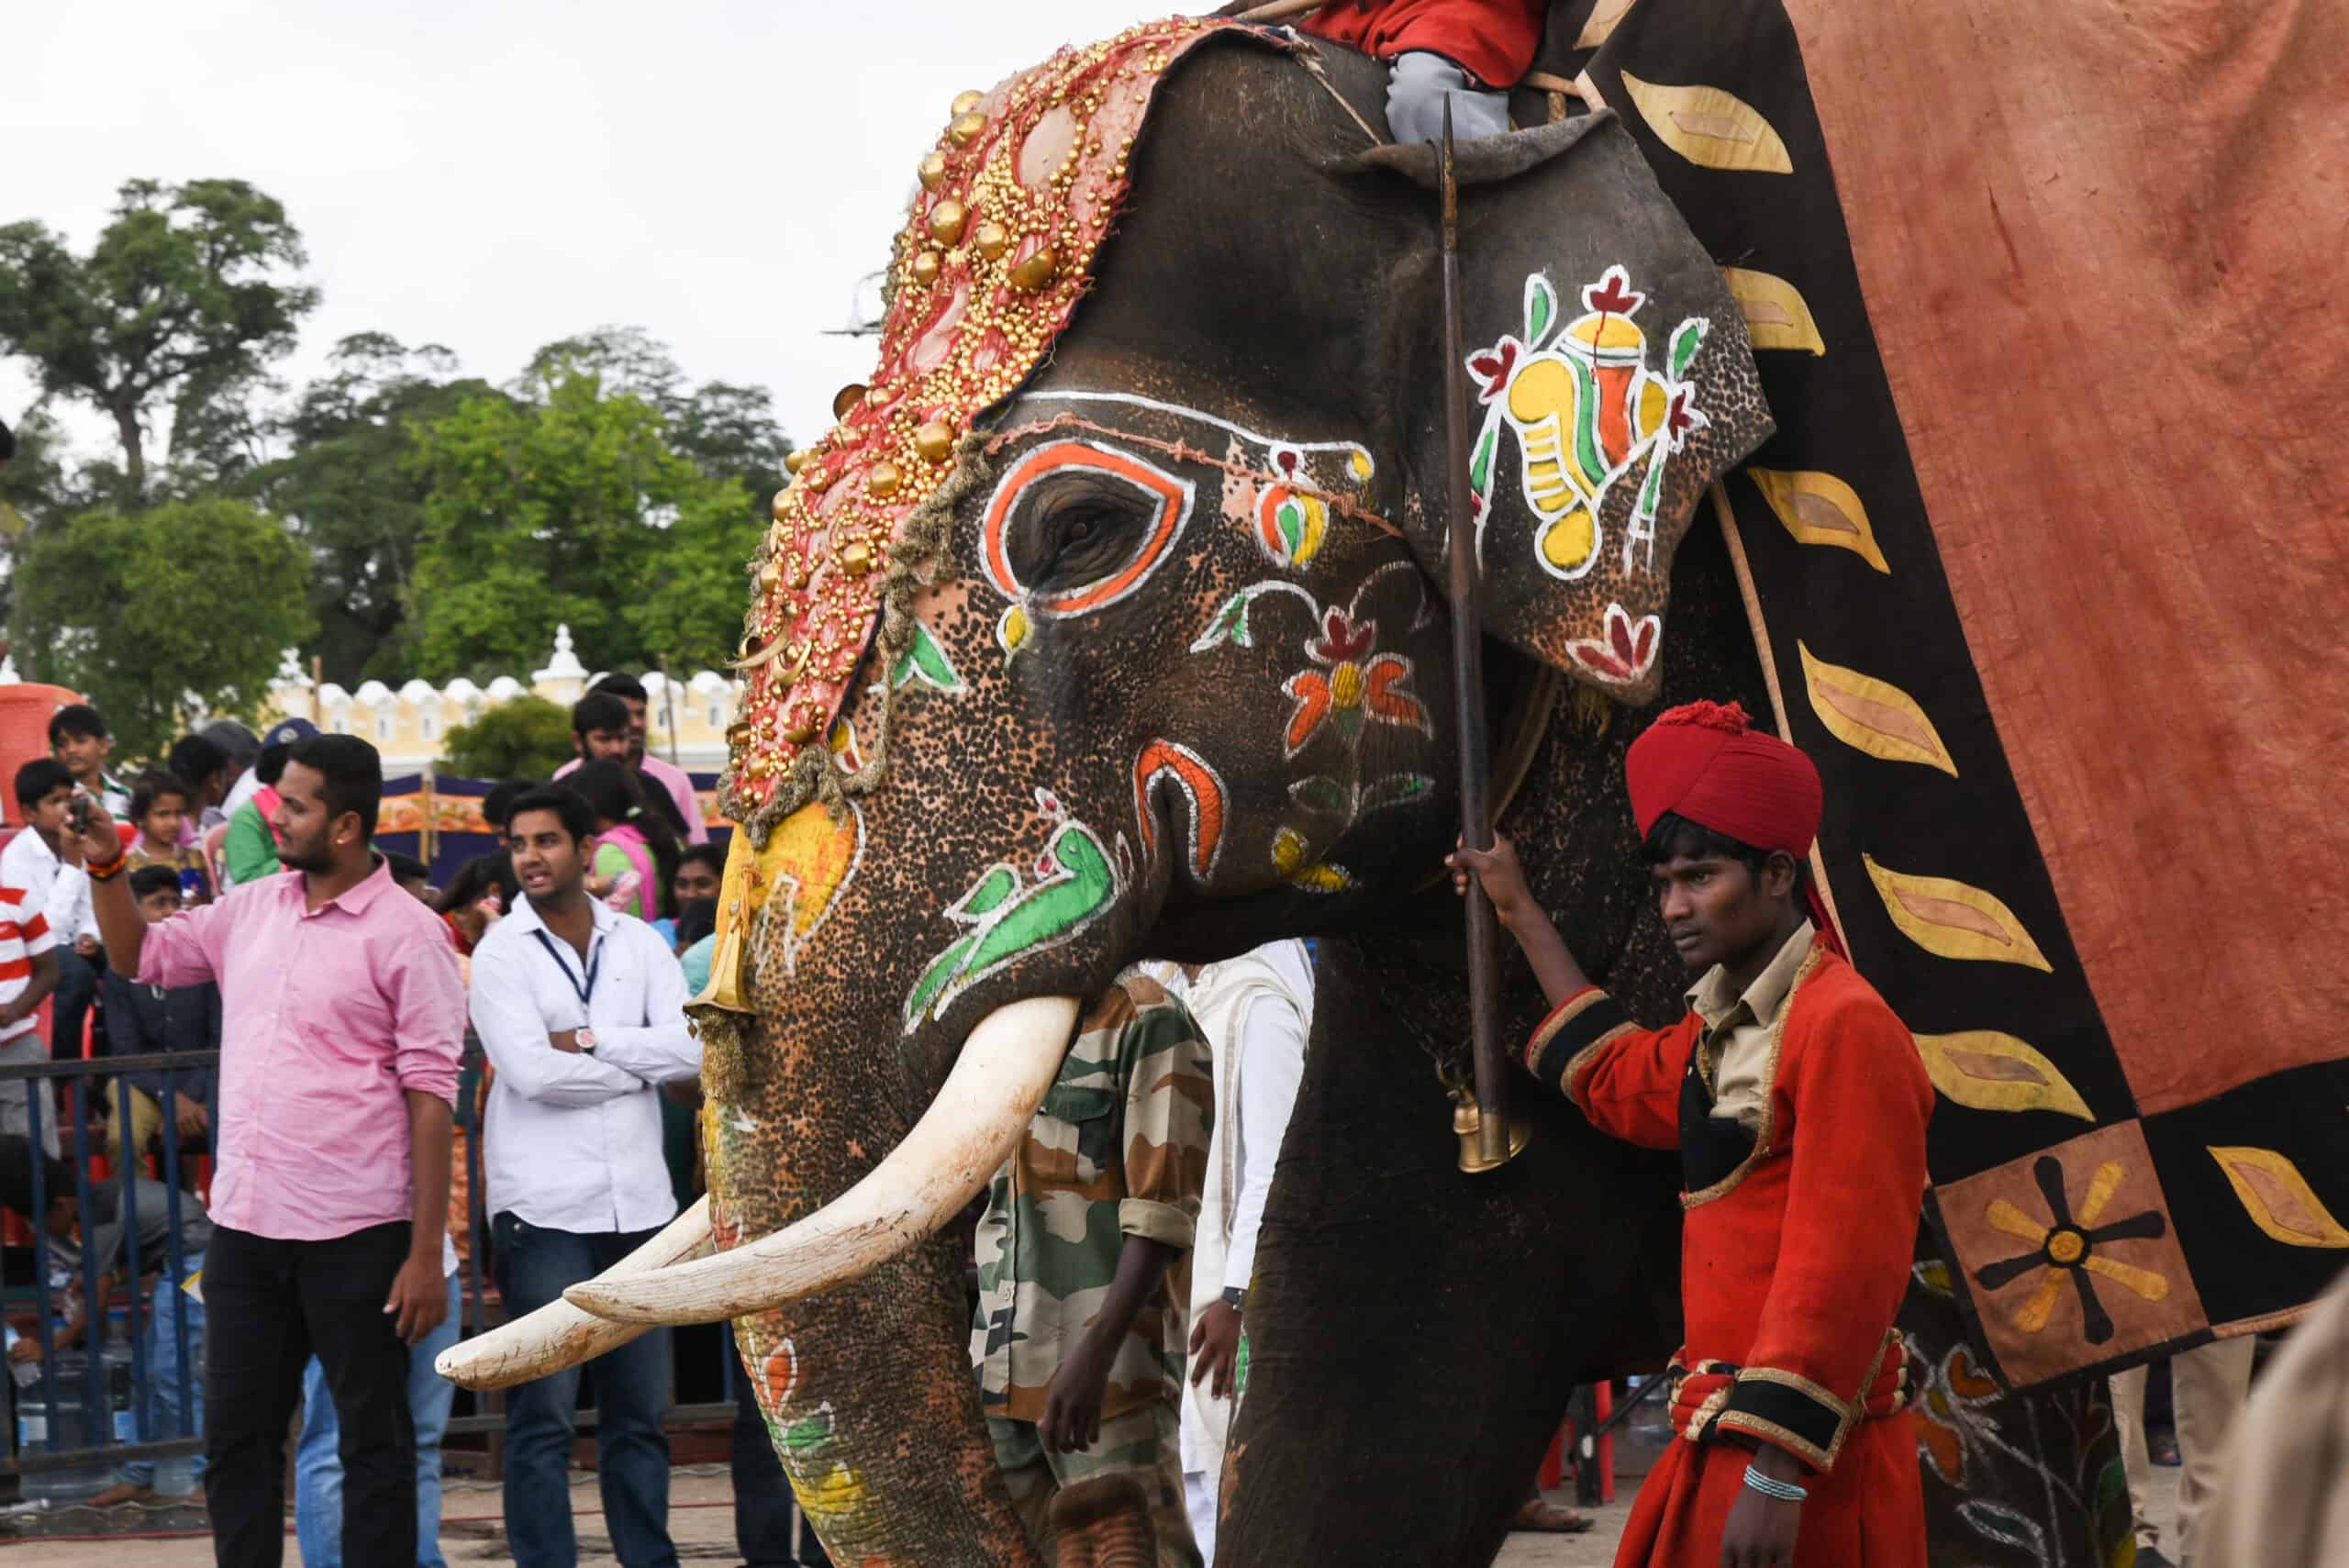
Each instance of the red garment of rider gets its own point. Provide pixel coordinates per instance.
(1492, 40)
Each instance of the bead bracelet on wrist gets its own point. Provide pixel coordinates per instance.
(1771, 1487)
(109, 871)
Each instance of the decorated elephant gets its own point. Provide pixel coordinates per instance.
(1106, 625)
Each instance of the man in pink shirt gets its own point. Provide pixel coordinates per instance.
(668, 775)
(342, 1021)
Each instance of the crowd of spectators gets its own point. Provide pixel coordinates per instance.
(231, 904)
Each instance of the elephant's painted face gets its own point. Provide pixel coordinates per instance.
(1228, 649)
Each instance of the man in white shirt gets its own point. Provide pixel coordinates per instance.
(580, 1010)
(1256, 1011)
(667, 774)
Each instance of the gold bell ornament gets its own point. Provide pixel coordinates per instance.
(1467, 1121)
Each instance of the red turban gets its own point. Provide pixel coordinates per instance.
(1705, 762)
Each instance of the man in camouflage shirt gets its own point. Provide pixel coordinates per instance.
(1079, 1335)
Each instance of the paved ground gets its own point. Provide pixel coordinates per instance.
(701, 1519)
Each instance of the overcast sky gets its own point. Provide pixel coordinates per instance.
(493, 175)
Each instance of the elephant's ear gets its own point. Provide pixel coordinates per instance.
(1611, 381)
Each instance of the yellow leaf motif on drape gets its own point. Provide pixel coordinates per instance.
(1953, 919)
(2278, 1198)
(1775, 316)
(1872, 716)
(1819, 508)
(1992, 1071)
(1602, 23)
(1709, 127)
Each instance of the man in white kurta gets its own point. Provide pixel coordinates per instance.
(1256, 1011)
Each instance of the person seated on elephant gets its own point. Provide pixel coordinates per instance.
(1798, 1104)
(1077, 1340)
(1472, 51)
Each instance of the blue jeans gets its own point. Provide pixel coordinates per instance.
(164, 1415)
(535, 1266)
(317, 1458)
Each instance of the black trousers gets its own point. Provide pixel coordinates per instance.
(269, 1306)
(762, 1500)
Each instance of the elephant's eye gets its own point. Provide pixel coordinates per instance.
(1076, 526)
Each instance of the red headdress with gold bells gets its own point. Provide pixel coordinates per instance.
(1705, 762)
(1016, 200)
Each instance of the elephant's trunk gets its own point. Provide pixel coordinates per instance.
(964, 1138)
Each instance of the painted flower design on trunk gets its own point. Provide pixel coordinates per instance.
(1353, 686)
(1348, 688)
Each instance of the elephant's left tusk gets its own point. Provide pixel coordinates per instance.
(559, 1335)
(970, 1130)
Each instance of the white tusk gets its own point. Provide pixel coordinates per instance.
(969, 1130)
(559, 1335)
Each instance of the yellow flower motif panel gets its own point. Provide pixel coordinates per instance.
(1775, 316)
(1988, 1070)
(1709, 127)
(2278, 1198)
(1819, 508)
(1872, 716)
(1953, 919)
(2069, 1256)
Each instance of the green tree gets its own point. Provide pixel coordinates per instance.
(725, 429)
(184, 296)
(158, 611)
(527, 738)
(567, 504)
(349, 486)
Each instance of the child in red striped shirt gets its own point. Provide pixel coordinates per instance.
(27, 975)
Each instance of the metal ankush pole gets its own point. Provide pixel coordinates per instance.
(1493, 1147)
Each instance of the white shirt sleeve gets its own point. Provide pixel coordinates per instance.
(662, 1049)
(1272, 1063)
(73, 899)
(514, 1036)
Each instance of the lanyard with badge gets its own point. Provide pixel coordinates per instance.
(584, 988)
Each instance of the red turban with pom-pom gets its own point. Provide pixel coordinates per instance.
(1706, 763)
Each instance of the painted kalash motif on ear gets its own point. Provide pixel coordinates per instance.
(1016, 197)
(1589, 413)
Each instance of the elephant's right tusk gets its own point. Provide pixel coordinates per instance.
(962, 1139)
(559, 1335)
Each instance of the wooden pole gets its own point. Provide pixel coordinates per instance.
(1468, 701)
(318, 683)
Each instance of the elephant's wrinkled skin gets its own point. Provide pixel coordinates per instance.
(1415, 1331)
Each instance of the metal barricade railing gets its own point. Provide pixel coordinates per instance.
(97, 1404)
(480, 1305)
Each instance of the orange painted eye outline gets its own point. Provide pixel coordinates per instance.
(1173, 495)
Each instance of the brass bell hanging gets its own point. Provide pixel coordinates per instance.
(1468, 1122)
